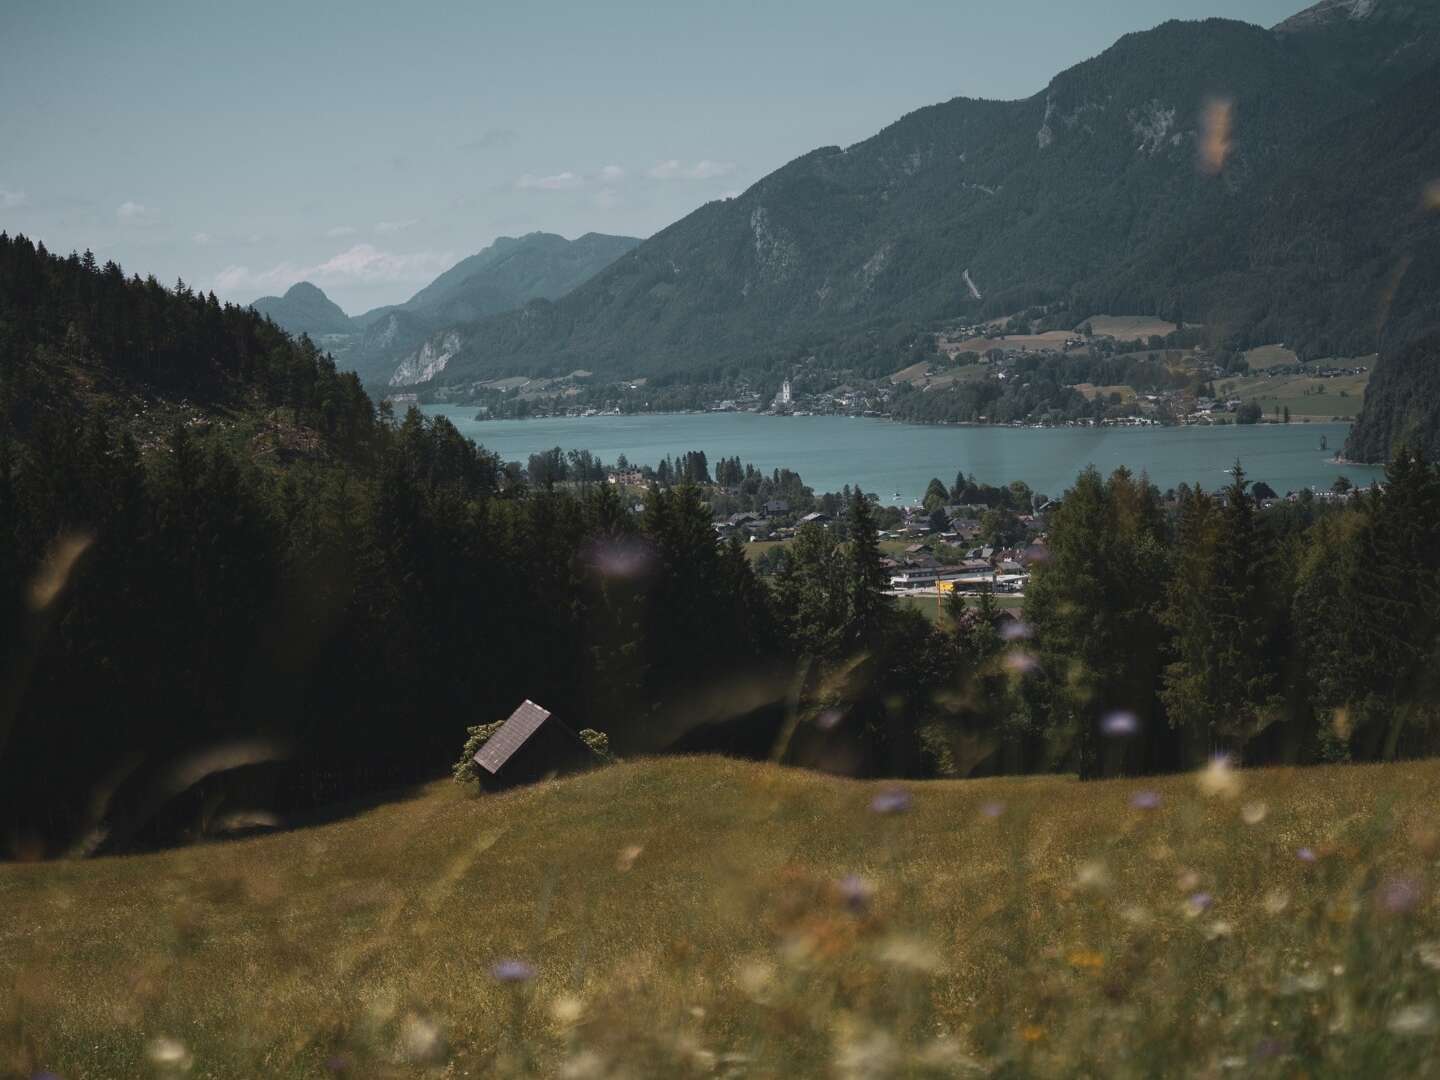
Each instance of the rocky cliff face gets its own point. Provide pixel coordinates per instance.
(428, 361)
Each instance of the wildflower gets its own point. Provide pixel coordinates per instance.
(1120, 725)
(1307, 982)
(909, 954)
(874, 1054)
(1145, 800)
(512, 971)
(754, 977)
(420, 1040)
(1218, 929)
(1015, 631)
(566, 1010)
(1093, 876)
(1399, 896)
(1429, 954)
(829, 720)
(1219, 778)
(1306, 855)
(1086, 960)
(169, 1053)
(1032, 1033)
(1254, 813)
(992, 810)
(891, 801)
(626, 859)
(1020, 663)
(855, 892)
(1198, 903)
(1276, 901)
(1413, 1020)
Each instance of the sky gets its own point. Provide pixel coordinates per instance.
(367, 146)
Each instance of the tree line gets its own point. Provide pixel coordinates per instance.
(193, 629)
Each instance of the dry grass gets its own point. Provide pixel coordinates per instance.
(698, 917)
(1089, 391)
(1131, 327)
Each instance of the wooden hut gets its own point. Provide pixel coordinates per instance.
(531, 746)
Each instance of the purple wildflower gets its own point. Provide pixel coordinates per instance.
(856, 892)
(1399, 895)
(512, 971)
(1120, 725)
(1145, 800)
(992, 809)
(829, 720)
(891, 801)
(1015, 631)
(1306, 855)
(1201, 902)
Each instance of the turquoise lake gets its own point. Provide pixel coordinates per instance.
(889, 458)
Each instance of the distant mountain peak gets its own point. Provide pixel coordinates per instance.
(1327, 12)
(303, 290)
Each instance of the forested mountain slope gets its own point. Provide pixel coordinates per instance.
(1071, 198)
(504, 276)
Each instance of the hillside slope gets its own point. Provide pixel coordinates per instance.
(504, 276)
(1052, 200)
(664, 917)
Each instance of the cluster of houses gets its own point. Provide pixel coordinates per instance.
(1005, 570)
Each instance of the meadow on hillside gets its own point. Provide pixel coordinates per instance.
(707, 917)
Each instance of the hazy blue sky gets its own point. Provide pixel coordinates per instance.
(367, 146)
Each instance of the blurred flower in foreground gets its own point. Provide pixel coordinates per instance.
(829, 720)
(1120, 725)
(1306, 855)
(1414, 1020)
(167, 1053)
(1399, 895)
(1254, 813)
(567, 1010)
(1219, 778)
(512, 971)
(1020, 663)
(420, 1040)
(1276, 901)
(1199, 903)
(1216, 123)
(622, 559)
(1015, 631)
(992, 809)
(855, 892)
(55, 571)
(1429, 954)
(891, 801)
(1145, 800)
(910, 954)
(626, 859)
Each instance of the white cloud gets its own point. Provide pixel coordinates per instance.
(611, 174)
(135, 215)
(386, 228)
(564, 181)
(674, 169)
(202, 238)
(341, 230)
(9, 200)
(361, 264)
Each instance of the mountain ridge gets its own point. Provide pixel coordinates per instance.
(504, 275)
(1058, 199)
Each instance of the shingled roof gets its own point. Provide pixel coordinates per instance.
(500, 747)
